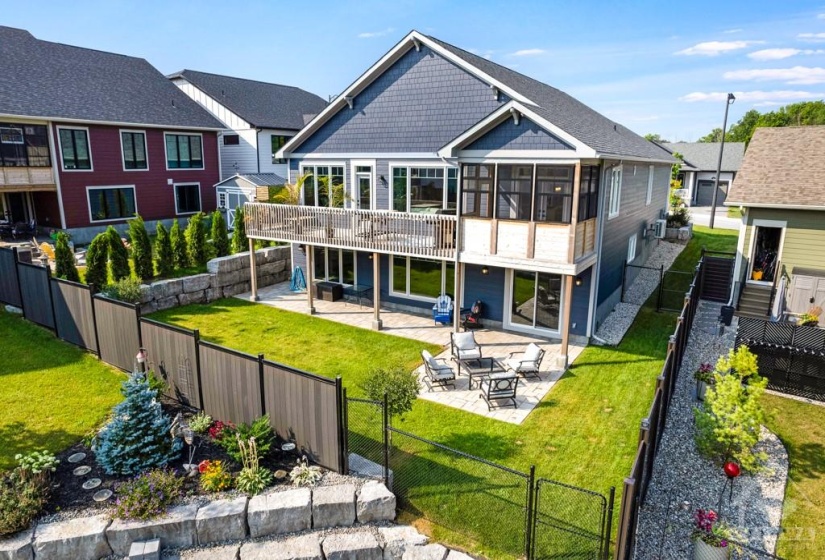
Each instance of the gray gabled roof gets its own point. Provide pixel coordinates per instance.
(704, 156)
(261, 104)
(257, 179)
(62, 82)
(572, 116)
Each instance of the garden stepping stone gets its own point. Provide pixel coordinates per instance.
(222, 520)
(306, 547)
(91, 484)
(102, 495)
(398, 538)
(84, 537)
(82, 471)
(280, 512)
(18, 546)
(145, 550)
(375, 503)
(427, 552)
(352, 546)
(76, 458)
(176, 529)
(333, 506)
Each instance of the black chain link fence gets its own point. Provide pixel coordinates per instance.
(365, 436)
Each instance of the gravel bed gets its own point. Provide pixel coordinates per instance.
(683, 481)
(614, 327)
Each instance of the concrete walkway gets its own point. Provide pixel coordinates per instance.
(700, 215)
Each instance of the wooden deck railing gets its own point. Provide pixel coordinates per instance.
(38, 178)
(401, 233)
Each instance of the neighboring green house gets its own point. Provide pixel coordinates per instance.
(781, 249)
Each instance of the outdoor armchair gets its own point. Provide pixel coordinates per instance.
(464, 346)
(443, 310)
(526, 363)
(499, 387)
(437, 371)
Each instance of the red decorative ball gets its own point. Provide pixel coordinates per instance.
(732, 469)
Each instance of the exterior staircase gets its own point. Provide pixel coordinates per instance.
(755, 301)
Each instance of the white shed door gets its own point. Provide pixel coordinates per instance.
(233, 200)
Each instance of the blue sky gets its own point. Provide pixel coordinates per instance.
(653, 66)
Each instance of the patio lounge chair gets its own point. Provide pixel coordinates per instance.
(443, 310)
(24, 229)
(499, 387)
(526, 363)
(464, 346)
(438, 372)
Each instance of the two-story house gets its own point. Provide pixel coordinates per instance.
(467, 178)
(89, 138)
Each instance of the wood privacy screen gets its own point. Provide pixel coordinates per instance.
(117, 331)
(231, 384)
(36, 295)
(74, 314)
(9, 285)
(174, 358)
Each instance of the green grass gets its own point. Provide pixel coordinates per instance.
(51, 393)
(801, 427)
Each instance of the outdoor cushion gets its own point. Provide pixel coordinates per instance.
(465, 341)
(531, 354)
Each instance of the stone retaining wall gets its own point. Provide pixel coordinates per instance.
(225, 277)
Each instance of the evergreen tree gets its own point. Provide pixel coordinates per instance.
(196, 240)
(137, 438)
(220, 237)
(239, 241)
(180, 256)
(118, 255)
(141, 249)
(97, 258)
(64, 258)
(164, 259)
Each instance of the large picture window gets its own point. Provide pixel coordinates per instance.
(422, 278)
(111, 203)
(277, 142)
(477, 190)
(334, 265)
(554, 194)
(425, 190)
(184, 151)
(324, 185)
(24, 145)
(188, 198)
(74, 149)
(514, 186)
(589, 193)
(133, 145)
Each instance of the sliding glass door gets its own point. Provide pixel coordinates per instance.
(535, 300)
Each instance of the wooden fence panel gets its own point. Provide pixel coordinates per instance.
(9, 283)
(173, 356)
(74, 314)
(231, 384)
(37, 299)
(117, 331)
(303, 408)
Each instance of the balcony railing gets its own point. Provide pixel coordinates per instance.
(38, 178)
(401, 233)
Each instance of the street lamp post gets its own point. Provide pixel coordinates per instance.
(730, 101)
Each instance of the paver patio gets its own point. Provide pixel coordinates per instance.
(494, 343)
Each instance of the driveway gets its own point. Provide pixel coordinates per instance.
(701, 217)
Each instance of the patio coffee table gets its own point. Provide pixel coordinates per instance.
(479, 368)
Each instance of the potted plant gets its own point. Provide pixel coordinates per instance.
(810, 318)
(703, 377)
(710, 536)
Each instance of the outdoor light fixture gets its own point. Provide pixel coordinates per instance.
(578, 281)
(485, 271)
(140, 360)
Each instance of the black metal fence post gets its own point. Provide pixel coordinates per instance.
(341, 403)
(531, 515)
(51, 299)
(661, 289)
(94, 318)
(611, 501)
(624, 277)
(17, 273)
(345, 429)
(197, 337)
(261, 382)
(386, 421)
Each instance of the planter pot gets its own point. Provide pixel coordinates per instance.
(704, 551)
(701, 388)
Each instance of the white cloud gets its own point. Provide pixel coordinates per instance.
(774, 54)
(820, 16)
(374, 34)
(714, 48)
(795, 75)
(731, 31)
(816, 37)
(752, 96)
(529, 52)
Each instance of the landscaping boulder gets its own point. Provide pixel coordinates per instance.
(222, 520)
(280, 512)
(166, 303)
(333, 506)
(18, 546)
(226, 278)
(146, 293)
(427, 552)
(84, 537)
(192, 297)
(213, 553)
(352, 546)
(213, 293)
(456, 555)
(375, 503)
(398, 538)
(176, 529)
(235, 289)
(167, 288)
(306, 547)
(196, 283)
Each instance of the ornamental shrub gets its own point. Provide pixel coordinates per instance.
(97, 258)
(253, 478)
(400, 385)
(239, 241)
(125, 289)
(137, 437)
(164, 257)
(214, 477)
(148, 495)
(180, 255)
(64, 258)
(196, 240)
(21, 500)
(141, 249)
(118, 255)
(230, 434)
(220, 237)
(200, 422)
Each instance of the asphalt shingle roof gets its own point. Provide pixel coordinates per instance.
(52, 80)
(569, 114)
(704, 156)
(782, 167)
(261, 104)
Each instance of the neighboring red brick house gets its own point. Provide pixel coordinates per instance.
(88, 139)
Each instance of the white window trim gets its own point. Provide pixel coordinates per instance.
(617, 195)
(200, 197)
(222, 194)
(354, 164)
(631, 248)
(145, 148)
(326, 251)
(88, 146)
(408, 295)
(649, 198)
(166, 153)
(757, 223)
(529, 329)
(415, 165)
(314, 165)
(89, 203)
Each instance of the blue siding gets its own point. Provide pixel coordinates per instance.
(488, 288)
(418, 105)
(581, 304)
(527, 135)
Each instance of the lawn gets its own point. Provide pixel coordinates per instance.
(51, 393)
(801, 427)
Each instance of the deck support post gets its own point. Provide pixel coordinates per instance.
(310, 277)
(458, 297)
(377, 324)
(565, 321)
(253, 270)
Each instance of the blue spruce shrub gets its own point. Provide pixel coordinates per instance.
(137, 438)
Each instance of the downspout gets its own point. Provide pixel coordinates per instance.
(258, 149)
(55, 169)
(220, 157)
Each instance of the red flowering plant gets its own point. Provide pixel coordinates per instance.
(711, 530)
(704, 373)
(216, 430)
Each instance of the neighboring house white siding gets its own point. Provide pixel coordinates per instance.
(265, 151)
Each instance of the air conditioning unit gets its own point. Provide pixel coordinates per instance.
(659, 229)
